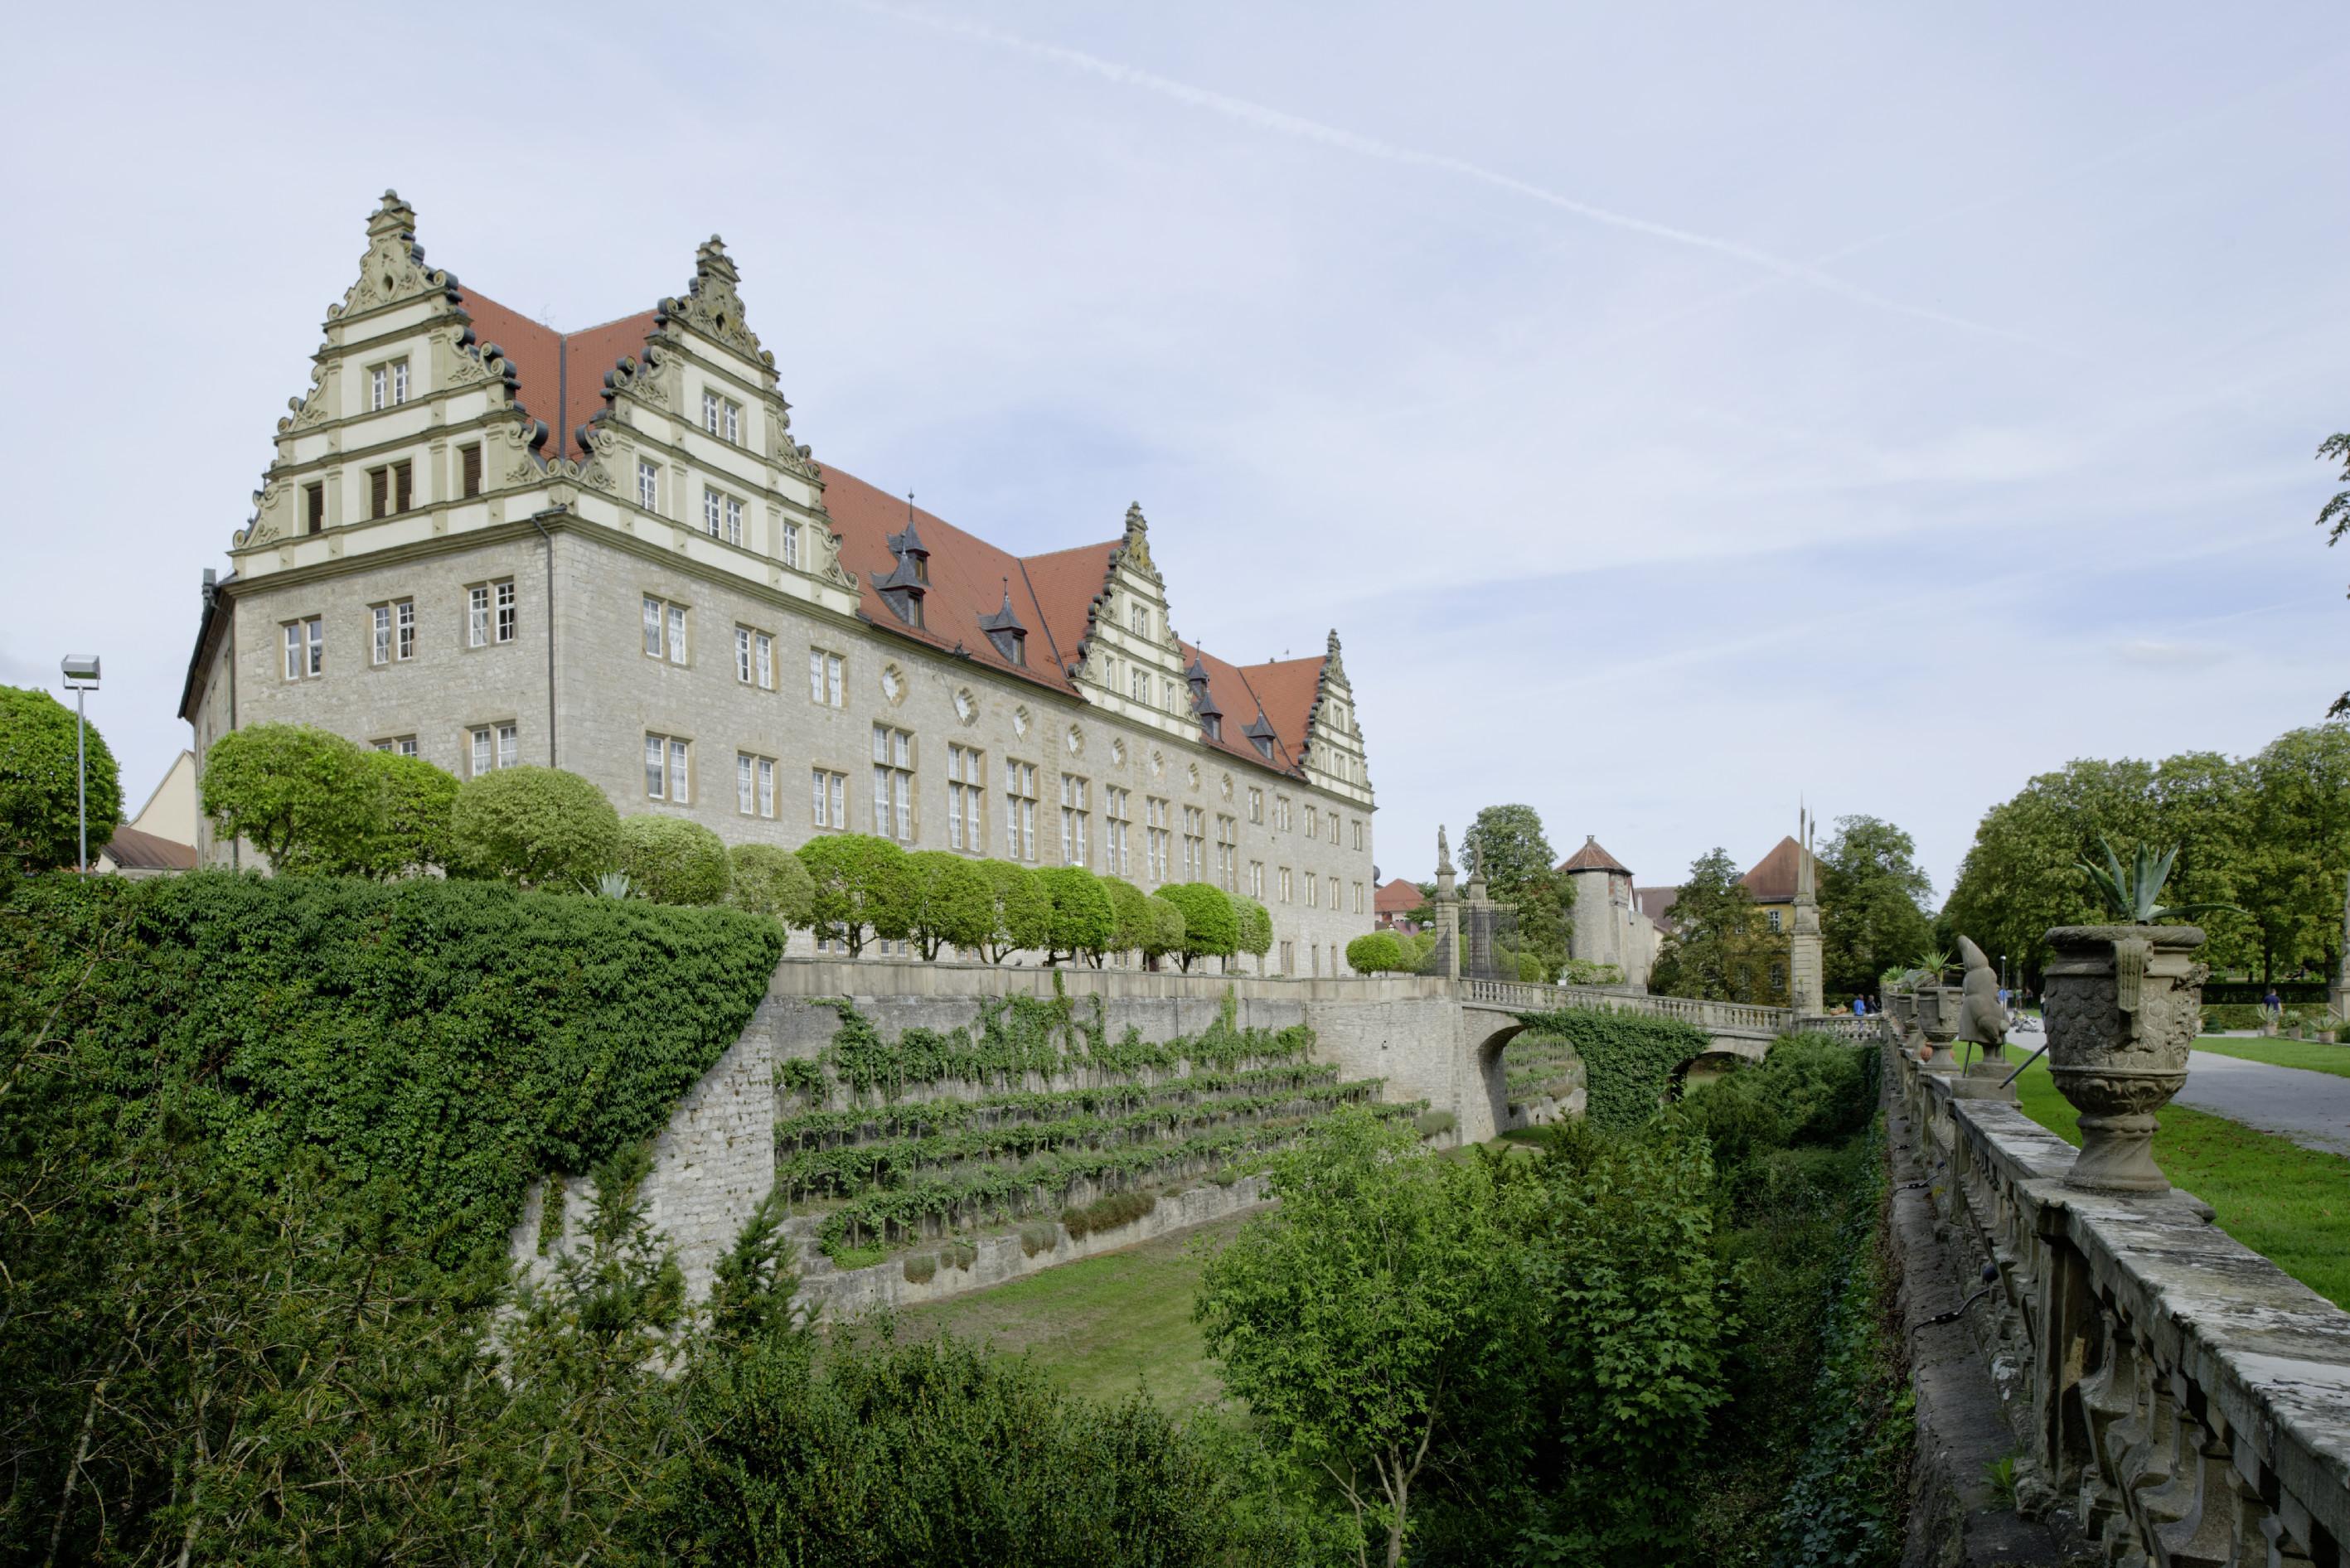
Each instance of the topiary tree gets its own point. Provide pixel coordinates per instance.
(673, 861)
(307, 799)
(953, 902)
(1023, 914)
(1209, 927)
(1082, 921)
(1254, 924)
(768, 879)
(1163, 934)
(39, 816)
(533, 826)
(1376, 953)
(416, 805)
(1130, 909)
(861, 885)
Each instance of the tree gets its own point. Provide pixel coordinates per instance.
(862, 884)
(1023, 915)
(768, 879)
(1163, 929)
(2300, 811)
(1082, 921)
(1255, 929)
(306, 798)
(2334, 517)
(1366, 1314)
(1131, 912)
(1209, 927)
(2023, 876)
(1871, 893)
(954, 903)
(1376, 953)
(40, 814)
(1720, 950)
(416, 804)
(672, 860)
(1507, 844)
(533, 826)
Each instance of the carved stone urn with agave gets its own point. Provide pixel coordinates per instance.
(1938, 1004)
(2123, 1003)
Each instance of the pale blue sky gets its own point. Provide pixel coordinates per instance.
(1677, 409)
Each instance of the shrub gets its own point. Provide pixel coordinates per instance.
(1209, 927)
(306, 799)
(1586, 972)
(1023, 915)
(1254, 929)
(416, 805)
(533, 826)
(960, 1254)
(921, 1268)
(39, 814)
(1038, 1238)
(1429, 1124)
(952, 902)
(767, 879)
(1531, 971)
(1082, 921)
(1378, 952)
(673, 861)
(861, 885)
(1108, 1213)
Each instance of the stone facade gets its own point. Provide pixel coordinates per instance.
(1609, 926)
(429, 568)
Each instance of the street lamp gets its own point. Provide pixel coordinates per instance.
(81, 676)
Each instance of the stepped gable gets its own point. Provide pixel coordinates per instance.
(1592, 857)
(565, 368)
(1773, 878)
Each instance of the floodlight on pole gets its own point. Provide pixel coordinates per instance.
(81, 677)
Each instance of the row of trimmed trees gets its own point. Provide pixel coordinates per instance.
(317, 804)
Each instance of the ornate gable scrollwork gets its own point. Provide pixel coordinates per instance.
(393, 268)
(640, 378)
(1334, 669)
(711, 303)
(520, 442)
(782, 450)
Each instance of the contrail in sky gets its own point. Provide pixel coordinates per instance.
(1281, 122)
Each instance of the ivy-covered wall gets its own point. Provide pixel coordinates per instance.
(448, 1040)
(1628, 1060)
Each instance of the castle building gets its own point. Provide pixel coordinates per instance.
(1610, 924)
(486, 543)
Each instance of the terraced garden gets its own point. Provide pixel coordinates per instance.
(1035, 1113)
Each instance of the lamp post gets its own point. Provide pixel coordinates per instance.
(81, 676)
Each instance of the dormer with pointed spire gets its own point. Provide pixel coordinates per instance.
(904, 587)
(1261, 735)
(1006, 632)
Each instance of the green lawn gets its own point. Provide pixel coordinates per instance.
(2290, 1204)
(1102, 1326)
(2313, 1054)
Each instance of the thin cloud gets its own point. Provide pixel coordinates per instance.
(1281, 122)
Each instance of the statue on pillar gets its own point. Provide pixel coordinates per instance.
(1981, 1019)
(1448, 912)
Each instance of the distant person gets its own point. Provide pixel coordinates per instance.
(2272, 1005)
(1860, 1007)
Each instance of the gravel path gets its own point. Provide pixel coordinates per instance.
(2313, 1109)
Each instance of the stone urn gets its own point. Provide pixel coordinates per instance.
(1938, 1014)
(2122, 1006)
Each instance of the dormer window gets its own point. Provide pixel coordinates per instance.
(903, 588)
(1261, 735)
(1006, 632)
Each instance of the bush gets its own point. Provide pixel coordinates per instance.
(1108, 1213)
(1254, 934)
(416, 805)
(534, 827)
(1209, 927)
(961, 1255)
(1038, 1238)
(1023, 915)
(39, 814)
(1429, 1124)
(1378, 952)
(952, 902)
(1584, 971)
(306, 799)
(673, 861)
(861, 883)
(1082, 921)
(921, 1268)
(767, 879)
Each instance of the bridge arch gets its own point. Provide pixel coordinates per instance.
(1484, 1097)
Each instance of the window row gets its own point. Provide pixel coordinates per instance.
(485, 747)
(493, 616)
(391, 488)
(722, 511)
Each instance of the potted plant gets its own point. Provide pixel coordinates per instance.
(2123, 1004)
(1938, 1004)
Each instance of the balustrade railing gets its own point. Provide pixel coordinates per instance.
(1718, 1017)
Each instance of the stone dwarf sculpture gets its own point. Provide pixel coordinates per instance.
(1981, 1019)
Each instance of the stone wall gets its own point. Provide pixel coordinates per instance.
(2178, 1394)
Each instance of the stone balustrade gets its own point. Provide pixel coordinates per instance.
(2189, 1402)
(1714, 1017)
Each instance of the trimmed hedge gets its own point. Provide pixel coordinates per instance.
(449, 1040)
(670, 860)
(1628, 1060)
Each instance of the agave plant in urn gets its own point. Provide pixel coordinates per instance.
(2123, 1003)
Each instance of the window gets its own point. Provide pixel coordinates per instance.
(1313, 892)
(1140, 619)
(1284, 884)
(721, 417)
(1019, 810)
(306, 648)
(469, 470)
(1772, 916)
(1140, 685)
(490, 613)
(1227, 852)
(1313, 823)
(966, 786)
(477, 617)
(791, 544)
(1256, 880)
(1283, 819)
(395, 632)
(1159, 838)
(722, 515)
(1075, 819)
(1115, 818)
(314, 507)
(823, 678)
(1358, 898)
(387, 385)
(893, 782)
(829, 797)
(505, 600)
(1334, 900)
(1174, 696)
(391, 489)
(763, 661)
(379, 650)
(742, 654)
(398, 381)
(1195, 843)
(649, 485)
(666, 775)
(397, 745)
(492, 746)
(755, 784)
(1288, 956)
(1256, 807)
(1358, 833)
(664, 630)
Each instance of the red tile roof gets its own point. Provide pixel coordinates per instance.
(1400, 897)
(1772, 880)
(565, 367)
(1591, 857)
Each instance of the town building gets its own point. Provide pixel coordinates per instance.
(1772, 882)
(1394, 904)
(161, 838)
(485, 542)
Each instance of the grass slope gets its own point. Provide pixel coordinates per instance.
(1102, 1326)
(2313, 1055)
(2290, 1204)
